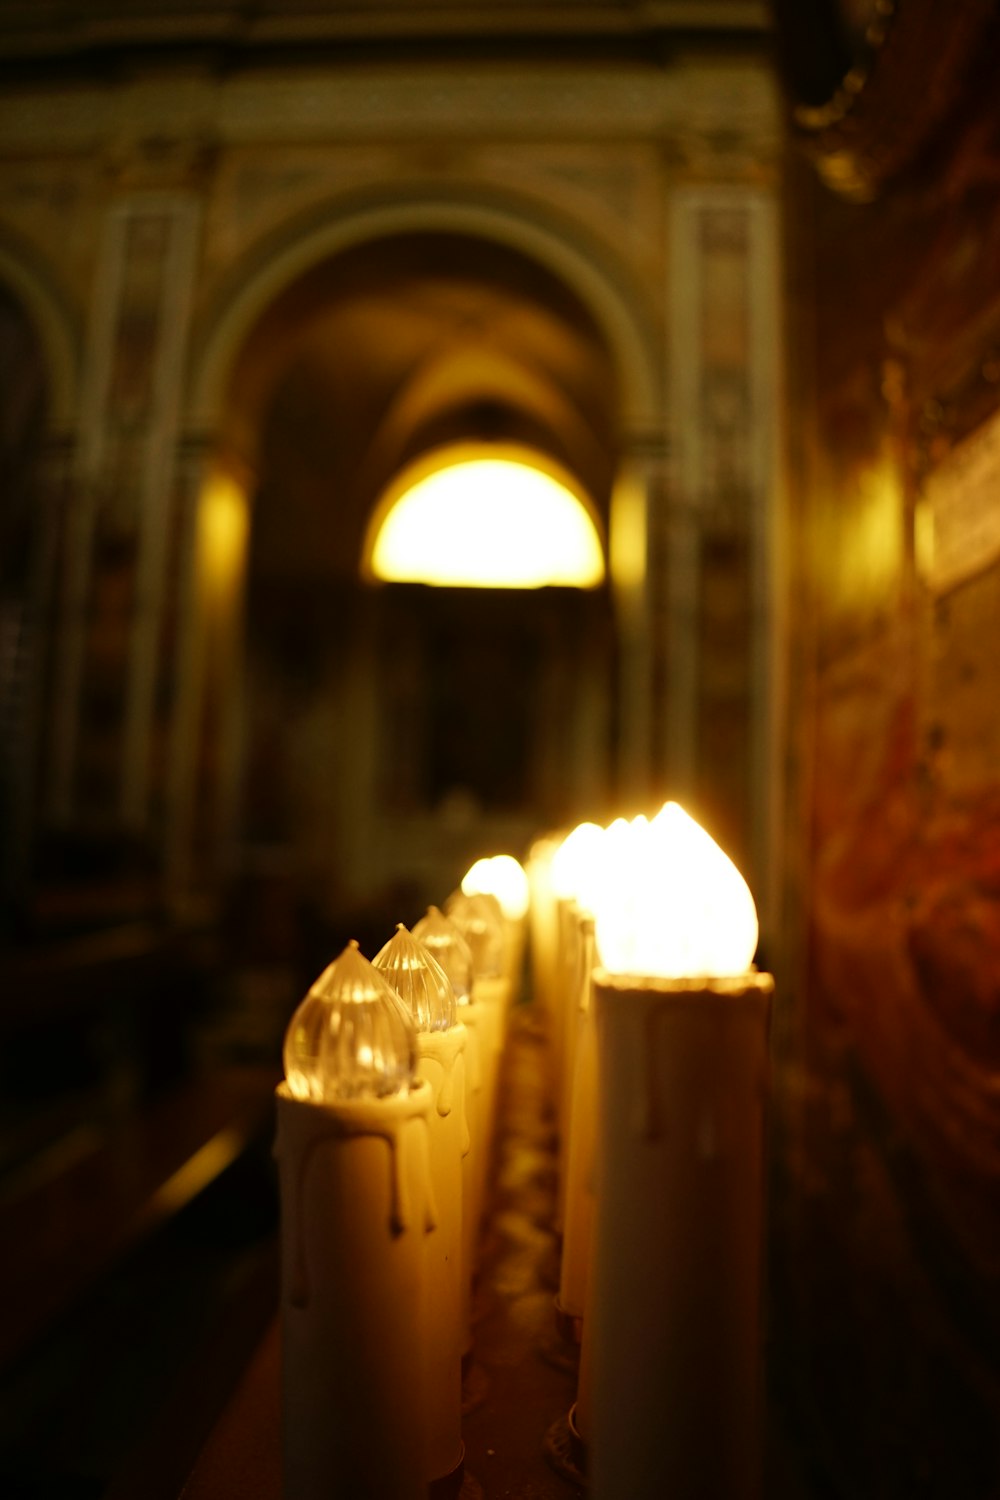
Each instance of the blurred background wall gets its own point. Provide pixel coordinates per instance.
(735, 269)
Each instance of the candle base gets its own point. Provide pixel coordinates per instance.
(450, 1486)
(565, 1450)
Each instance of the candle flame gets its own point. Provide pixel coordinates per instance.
(499, 875)
(672, 904)
(575, 865)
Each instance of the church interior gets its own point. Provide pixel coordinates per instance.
(733, 269)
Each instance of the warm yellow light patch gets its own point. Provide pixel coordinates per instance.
(500, 875)
(470, 521)
(222, 536)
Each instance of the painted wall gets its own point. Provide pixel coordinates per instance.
(886, 1282)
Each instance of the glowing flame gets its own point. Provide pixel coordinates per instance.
(500, 875)
(575, 866)
(485, 522)
(673, 905)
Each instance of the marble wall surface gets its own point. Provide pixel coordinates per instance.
(889, 1275)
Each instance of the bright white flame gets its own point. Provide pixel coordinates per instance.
(575, 867)
(673, 905)
(496, 522)
(500, 876)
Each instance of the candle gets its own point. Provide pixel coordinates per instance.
(501, 875)
(427, 994)
(573, 870)
(578, 1154)
(480, 921)
(443, 939)
(670, 1401)
(542, 924)
(356, 1208)
(607, 867)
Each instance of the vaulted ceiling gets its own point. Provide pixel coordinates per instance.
(394, 348)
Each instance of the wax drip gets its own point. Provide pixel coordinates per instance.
(473, 1061)
(444, 1048)
(400, 1207)
(446, 1093)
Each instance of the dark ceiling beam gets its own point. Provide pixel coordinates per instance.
(35, 32)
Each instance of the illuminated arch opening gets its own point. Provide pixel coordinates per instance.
(485, 516)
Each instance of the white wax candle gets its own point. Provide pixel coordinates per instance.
(542, 924)
(428, 996)
(576, 1001)
(441, 1063)
(674, 1305)
(580, 1146)
(440, 935)
(490, 996)
(356, 1208)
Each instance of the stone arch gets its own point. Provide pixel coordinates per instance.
(53, 322)
(604, 286)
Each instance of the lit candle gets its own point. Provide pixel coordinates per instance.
(672, 1401)
(501, 875)
(542, 924)
(443, 939)
(356, 1207)
(480, 921)
(572, 870)
(427, 994)
(577, 1181)
(608, 867)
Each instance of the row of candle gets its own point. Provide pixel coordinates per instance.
(643, 936)
(642, 939)
(385, 1121)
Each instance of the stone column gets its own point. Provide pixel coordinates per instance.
(31, 651)
(205, 670)
(118, 532)
(722, 570)
(636, 523)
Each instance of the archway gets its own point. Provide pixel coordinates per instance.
(363, 362)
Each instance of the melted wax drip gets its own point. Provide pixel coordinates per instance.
(400, 1208)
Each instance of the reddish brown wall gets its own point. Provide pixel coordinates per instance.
(886, 1287)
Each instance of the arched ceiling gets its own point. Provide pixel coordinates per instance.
(391, 348)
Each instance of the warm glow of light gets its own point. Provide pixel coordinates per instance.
(576, 863)
(222, 536)
(628, 533)
(477, 517)
(673, 905)
(500, 876)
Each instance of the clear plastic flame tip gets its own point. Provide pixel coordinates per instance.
(673, 904)
(439, 934)
(351, 1038)
(479, 919)
(419, 981)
